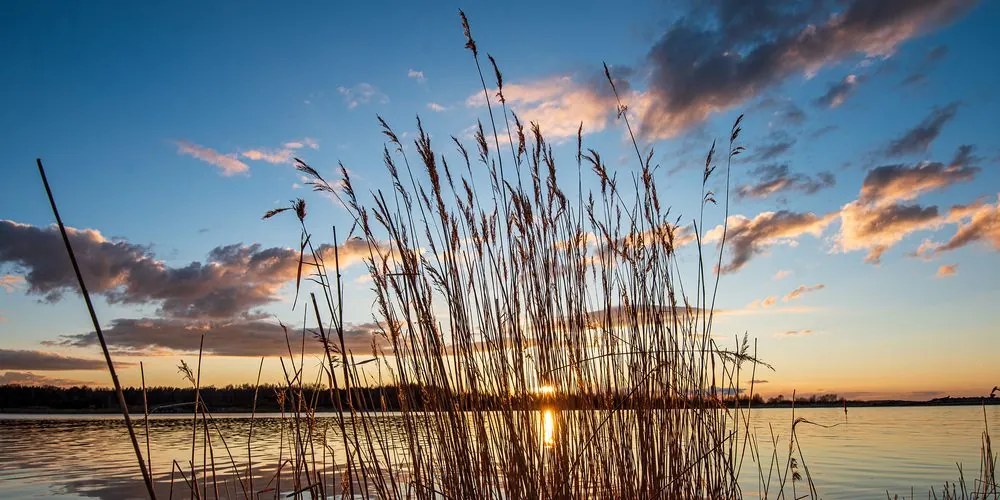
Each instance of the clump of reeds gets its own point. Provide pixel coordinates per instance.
(500, 300)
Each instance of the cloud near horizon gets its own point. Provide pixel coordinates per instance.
(28, 378)
(233, 281)
(11, 359)
(161, 336)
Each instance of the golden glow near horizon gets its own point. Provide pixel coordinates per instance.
(547, 390)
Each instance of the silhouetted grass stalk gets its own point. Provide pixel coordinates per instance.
(100, 334)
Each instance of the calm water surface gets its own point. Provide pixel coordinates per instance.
(869, 452)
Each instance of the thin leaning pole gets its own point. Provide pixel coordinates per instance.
(100, 334)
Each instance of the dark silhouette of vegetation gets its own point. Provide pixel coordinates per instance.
(240, 398)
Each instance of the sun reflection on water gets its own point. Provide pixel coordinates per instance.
(548, 428)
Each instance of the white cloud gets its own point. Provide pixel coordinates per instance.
(362, 93)
(305, 142)
(416, 75)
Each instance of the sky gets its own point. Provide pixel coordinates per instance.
(865, 229)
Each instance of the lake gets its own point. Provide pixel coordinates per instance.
(870, 451)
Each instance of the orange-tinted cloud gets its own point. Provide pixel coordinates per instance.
(888, 184)
(9, 282)
(28, 378)
(11, 359)
(228, 164)
(876, 229)
(947, 270)
(232, 281)
(977, 222)
(746, 238)
(558, 104)
(159, 336)
(802, 290)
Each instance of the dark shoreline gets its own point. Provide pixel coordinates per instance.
(889, 403)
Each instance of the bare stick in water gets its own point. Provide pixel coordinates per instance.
(100, 334)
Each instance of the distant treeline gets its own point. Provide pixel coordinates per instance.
(174, 399)
(273, 398)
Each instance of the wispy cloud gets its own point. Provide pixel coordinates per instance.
(362, 93)
(228, 164)
(838, 92)
(977, 222)
(795, 333)
(749, 237)
(44, 361)
(10, 282)
(780, 143)
(775, 178)
(161, 336)
(28, 378)
(435, 107)
(930, 59)
(270, 156)
(920, 137)
(781, 274)
(892, 183)
(947, 270)
(783, 111)
(416, 75)
(802, 290)
(285, 154)
(305, 142)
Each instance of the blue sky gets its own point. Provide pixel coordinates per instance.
(171, 127)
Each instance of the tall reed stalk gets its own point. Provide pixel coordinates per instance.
(100, 334)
